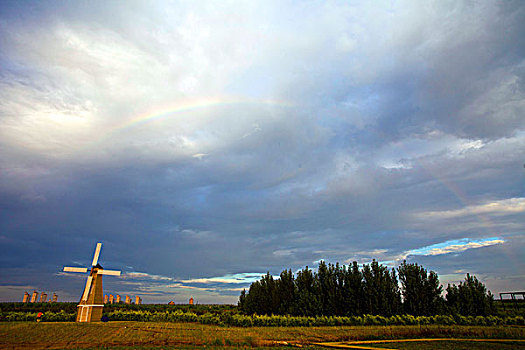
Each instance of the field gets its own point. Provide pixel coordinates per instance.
(162, 335)
(223, 327)
(229, 315)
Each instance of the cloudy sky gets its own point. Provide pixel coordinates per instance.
(205, 143)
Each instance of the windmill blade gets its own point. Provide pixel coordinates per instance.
(75, 269)
(109, 272)
(97, 253)
(88, 288)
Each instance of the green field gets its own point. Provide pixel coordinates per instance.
(223, 327)
(229, 315)
(161, 335)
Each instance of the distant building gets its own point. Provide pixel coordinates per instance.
(128, 299)
(111, 299)
(34, 297)
(26, 297)
(138, 300)
(191, 301)
(105, 298)
(118, 299)
(43, 297)
(171, 303)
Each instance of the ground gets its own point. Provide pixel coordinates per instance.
(153, 335)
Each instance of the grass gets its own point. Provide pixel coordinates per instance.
(153, 335)
(431, 343)
(455, 344)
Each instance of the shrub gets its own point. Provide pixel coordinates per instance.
(239, 320)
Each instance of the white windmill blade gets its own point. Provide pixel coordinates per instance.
(75, 269)
(109, 272)
(88, 288)
(97, 253)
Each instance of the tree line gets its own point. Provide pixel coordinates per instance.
(374, 289)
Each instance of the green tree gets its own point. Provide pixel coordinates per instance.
(307, 301)
(270, 297)
(241, 304)
(353, 293)
(470, 298)
(381, 290)
(421, 290)
(253, 301)
(286, 290)
(262, 297)
(329, 293)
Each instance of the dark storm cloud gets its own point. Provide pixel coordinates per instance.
(283, 136)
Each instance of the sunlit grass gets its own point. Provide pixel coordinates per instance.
(156, 335)
(450, 345)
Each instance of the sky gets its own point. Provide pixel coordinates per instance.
(205, 143)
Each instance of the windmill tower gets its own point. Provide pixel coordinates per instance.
(92, 302)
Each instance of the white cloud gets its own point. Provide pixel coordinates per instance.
(144, 275)
(455, 246)
(403, 153)
(241, 278)
(283, 253)
(494, 208)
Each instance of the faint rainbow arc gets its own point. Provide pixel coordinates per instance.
(458, 193)
(187, 106)
(463, 198)
(179, 108)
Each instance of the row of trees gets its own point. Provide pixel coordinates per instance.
(339, 290)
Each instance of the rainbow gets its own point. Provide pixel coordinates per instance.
(486, 223)
(186, 106)
(181, 107)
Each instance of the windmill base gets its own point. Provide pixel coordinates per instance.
(89, 313)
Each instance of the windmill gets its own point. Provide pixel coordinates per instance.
(92, 302)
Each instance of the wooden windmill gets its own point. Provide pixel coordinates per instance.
(92, 301)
